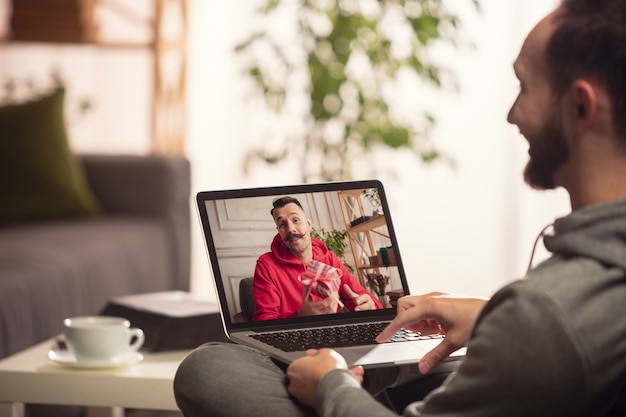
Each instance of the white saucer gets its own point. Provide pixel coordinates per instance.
(65, 357)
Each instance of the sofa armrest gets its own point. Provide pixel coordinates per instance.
(152, 185)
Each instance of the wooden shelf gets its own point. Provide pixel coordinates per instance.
(369, 224)
(364, 267)
(95, 44)
(169, 86)
(363, 241)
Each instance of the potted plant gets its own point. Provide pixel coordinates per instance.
(378, 284)
(335, 241)
(372, 196)
(331, 75)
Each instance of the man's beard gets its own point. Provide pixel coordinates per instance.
(547, 152)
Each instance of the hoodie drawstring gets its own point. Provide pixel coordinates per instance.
(541, 234)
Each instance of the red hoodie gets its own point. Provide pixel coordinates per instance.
(277, 289)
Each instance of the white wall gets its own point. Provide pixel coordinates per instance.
(468, 230)
(116, 81)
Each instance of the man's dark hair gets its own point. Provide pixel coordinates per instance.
(283, 201)
(590, 40)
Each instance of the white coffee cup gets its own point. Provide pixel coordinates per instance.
(101, 338)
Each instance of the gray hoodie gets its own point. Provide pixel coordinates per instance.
(552, 344)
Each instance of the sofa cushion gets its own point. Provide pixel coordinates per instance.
(39, 176)
(57, 269)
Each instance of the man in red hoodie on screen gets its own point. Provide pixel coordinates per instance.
(286, 279)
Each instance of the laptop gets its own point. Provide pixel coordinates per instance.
(238, 228)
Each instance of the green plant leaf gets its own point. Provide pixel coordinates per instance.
(346, 48)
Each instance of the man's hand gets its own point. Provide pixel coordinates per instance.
(436, 313)
(309, 307)
(306, 373)
(361, 302)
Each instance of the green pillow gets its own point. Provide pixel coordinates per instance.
(39, 176)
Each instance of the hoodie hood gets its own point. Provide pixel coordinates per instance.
(597, 232)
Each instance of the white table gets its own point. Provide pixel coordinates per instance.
(30, 377)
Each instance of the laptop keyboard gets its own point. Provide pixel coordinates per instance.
(338, 336)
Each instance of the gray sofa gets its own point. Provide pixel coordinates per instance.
(50, 270)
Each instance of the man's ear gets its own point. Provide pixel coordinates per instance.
(584, 102)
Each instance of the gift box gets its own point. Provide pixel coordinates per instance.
(375, 260)
(394, 295)
(386, 256)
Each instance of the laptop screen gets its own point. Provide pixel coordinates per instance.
(244, 238)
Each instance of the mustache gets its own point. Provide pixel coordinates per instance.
(292, 235)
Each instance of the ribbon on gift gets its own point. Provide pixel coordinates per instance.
(322, 280)
(320, 268)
